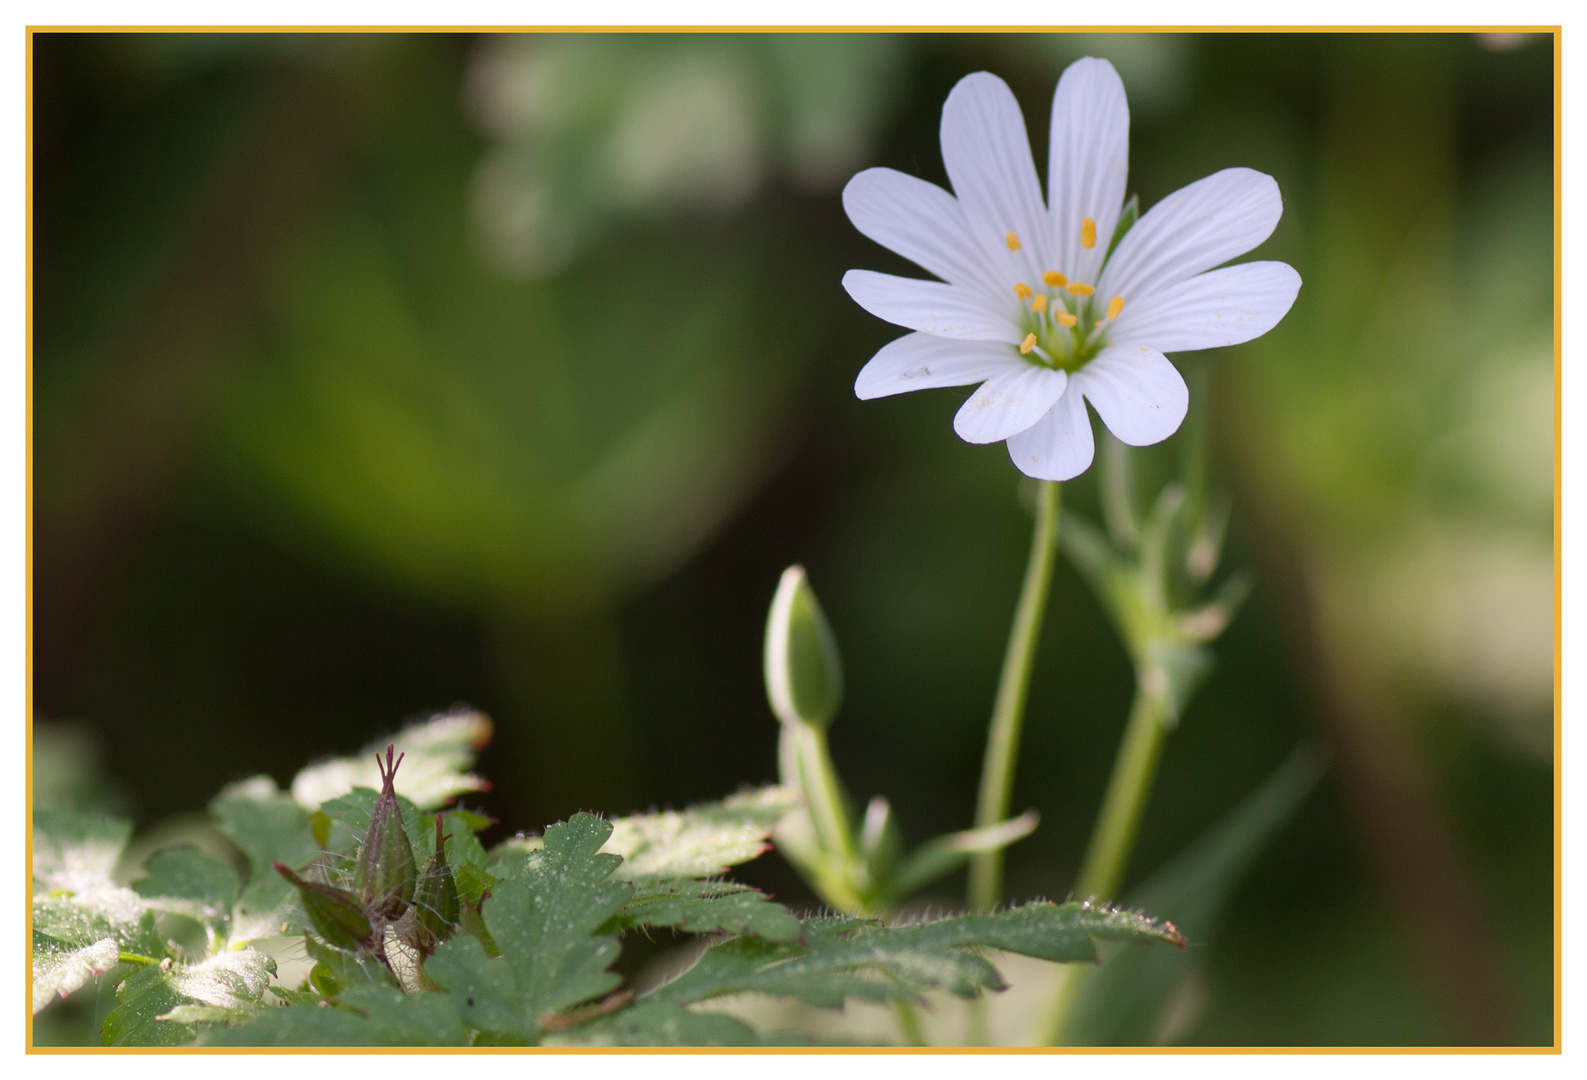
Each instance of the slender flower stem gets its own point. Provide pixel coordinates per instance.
(1112, 841)
(1008, 712)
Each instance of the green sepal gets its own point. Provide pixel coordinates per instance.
(336, 913)
(384, 873)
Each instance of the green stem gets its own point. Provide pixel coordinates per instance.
(821, 788)
(909, 1023)
(1112, 841)
(1008, 712)
(134, 958)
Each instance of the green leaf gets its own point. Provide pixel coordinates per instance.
(437, 755)
(269, 827)
(80, 914)
(1120, 1002)
(346, 969)
(847, 957)
(186, 881)
(701, 841)
(703, 907)
(943, 854)
(366, 1016)
(545, 922)
(229, 984)
(60, 969)
(657, 1023)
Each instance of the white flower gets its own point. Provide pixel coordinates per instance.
(1030, 304)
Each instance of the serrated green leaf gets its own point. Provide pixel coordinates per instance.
(367, 1016)
(269, 827)
(149, 999)
(657, 1023)
(345, 968)
(701, 841)
(482, 989)
(545, 923)
(710, 906)
(437, 757)
(188, 882)
(848, 957)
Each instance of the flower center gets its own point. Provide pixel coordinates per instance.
(1065, 322)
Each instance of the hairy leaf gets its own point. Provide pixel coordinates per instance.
(368, 1015)
(269, 827)
(848, 957)
(545, 922)
(707, 907)
(149, 1010)
(702, 840)
(188, 882)
(657, 1023)
(60, 969)
(437, 757)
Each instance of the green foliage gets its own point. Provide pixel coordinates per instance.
(708, 907)
(371, 1015)
(436, 757)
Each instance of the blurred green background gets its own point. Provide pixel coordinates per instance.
(376, 373)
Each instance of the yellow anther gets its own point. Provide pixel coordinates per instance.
(1066, 319)
(1039, 304)
(1115, 306)
(1054, 278)
(1027, 345)
(1012, 241)
(1022, 290)
(1079, 288)
(1088, 233)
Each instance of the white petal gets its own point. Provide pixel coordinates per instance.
(987, 153)
(944, 310)
(1009, 403)
(1220, 307)
(921, 362)
(1088, 162)
(1194, 229)
(1059, 445)
(1140, 396)
(924, 224)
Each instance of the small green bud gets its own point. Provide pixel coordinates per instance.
(435, 903)
(384, 872)
(335, 913)
(804, 676)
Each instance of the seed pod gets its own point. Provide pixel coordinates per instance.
(335, 913)
(384, 873)
(435, 904)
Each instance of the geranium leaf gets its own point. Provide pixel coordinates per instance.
(707, 907)
(149, 1010)
(269, 827)
(437, 755)
(701, 841)
(367, 1015)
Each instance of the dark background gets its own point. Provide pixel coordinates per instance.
(377, 373)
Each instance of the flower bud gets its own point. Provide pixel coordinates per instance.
(435, 903)
(804, 676)
(335, 913)
(384, 872)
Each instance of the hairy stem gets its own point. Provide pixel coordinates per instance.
(1008, 712)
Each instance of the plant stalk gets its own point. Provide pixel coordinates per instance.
(1008, 712)
(1112, 841)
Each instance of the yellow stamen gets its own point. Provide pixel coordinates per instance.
(1115, 306)
(1027, 345)
(1079, 288)
(1012, 241)
(1088, 233)
(1039, 304)
(1054, 278)
(1065, 318)
(1022, 290)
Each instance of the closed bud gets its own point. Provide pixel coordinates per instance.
(335, 913)
(384, 872)
(804, 676)
(435, 903)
